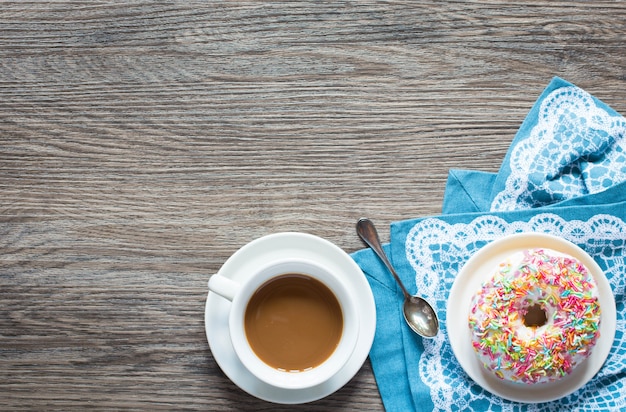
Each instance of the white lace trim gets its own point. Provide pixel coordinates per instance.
(436, 250)
(576, 148)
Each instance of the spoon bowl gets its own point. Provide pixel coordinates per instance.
(418, 313)
(420, 316)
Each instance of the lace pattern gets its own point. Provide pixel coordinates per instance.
(437, 250)
(575, 148)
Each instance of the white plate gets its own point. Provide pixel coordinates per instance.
(269, 248)
(478, 269)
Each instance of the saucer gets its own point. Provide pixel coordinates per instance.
(259, 252)
(477, 270)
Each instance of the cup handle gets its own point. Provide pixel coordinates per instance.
(223, 286)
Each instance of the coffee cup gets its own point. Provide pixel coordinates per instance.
(293, 323)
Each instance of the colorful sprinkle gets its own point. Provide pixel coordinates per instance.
(565, 291)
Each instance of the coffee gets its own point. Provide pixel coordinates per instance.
(293, 322)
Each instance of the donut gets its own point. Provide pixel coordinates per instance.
(537, 318)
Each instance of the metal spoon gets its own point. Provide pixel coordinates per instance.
(418, 313)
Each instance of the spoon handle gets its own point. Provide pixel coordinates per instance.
(367, 232)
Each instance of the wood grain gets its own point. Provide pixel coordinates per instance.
(141, 144)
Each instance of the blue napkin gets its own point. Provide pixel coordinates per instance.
(570, 144)
(583, 199)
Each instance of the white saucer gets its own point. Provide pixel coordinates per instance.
(255, 254)
(478, 269)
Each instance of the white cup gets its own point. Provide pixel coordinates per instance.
(240, 294)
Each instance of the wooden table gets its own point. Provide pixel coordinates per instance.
(142, 144)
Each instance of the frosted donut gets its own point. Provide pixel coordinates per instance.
(536, 318)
